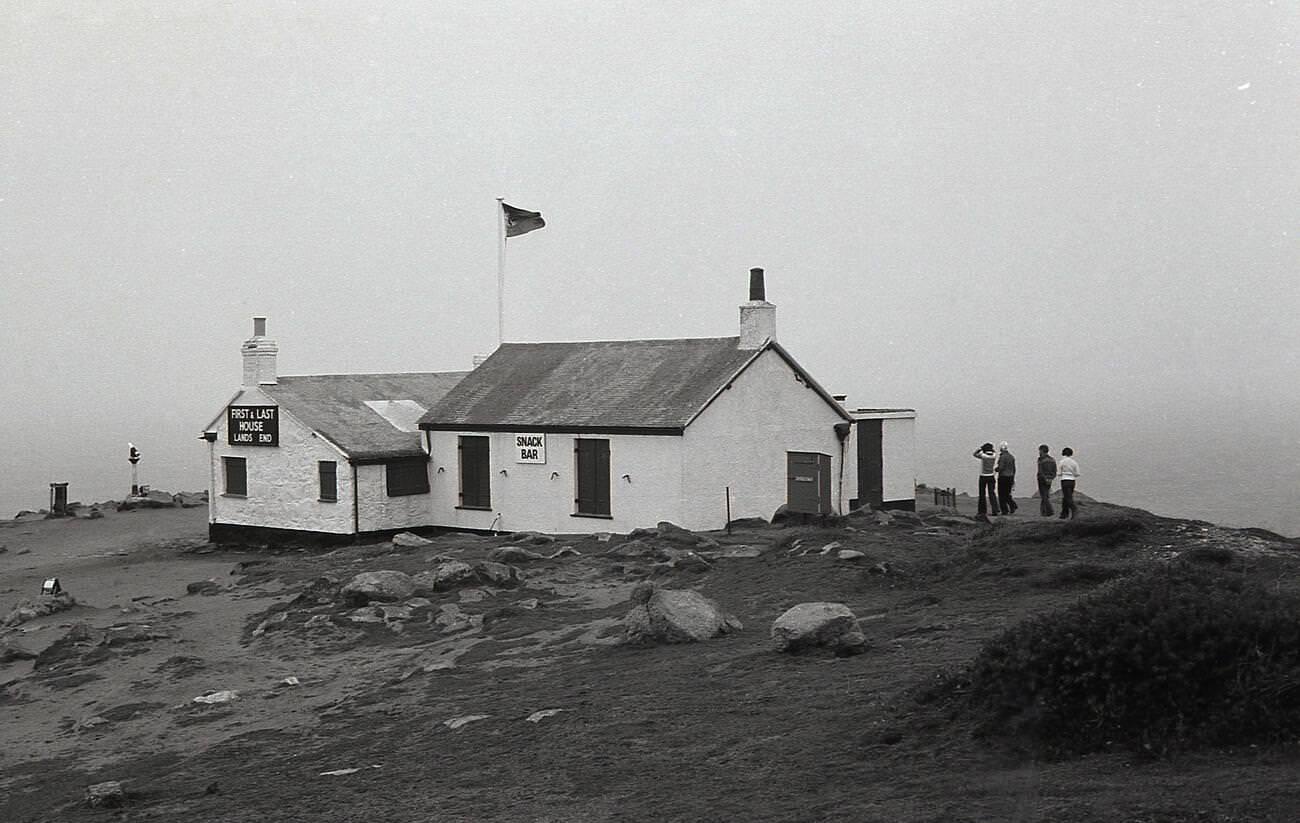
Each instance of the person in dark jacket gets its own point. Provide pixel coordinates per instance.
(1006, 470)
(988, 477)
(1046, 474)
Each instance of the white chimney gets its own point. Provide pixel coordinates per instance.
(259, 356)
(757, 317)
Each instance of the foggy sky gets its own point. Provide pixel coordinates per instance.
(1025, 220)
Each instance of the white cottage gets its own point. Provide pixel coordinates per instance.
(319, 456)
(614, 435)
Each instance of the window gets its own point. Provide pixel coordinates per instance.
(592, 457)
(329, 481)
(475, 473)
(408, 476)
(236, 471)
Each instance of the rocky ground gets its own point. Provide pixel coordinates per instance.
(490, 678)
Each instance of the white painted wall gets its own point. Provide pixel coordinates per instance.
(378, 511)
(283, 481)
(540, 496)
(898, 457)
(284, 484)
(741, 441)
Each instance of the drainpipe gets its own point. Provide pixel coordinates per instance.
(842, 432)
(356, 509)
(212, 477)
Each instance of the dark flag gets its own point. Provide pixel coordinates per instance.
(519, 221)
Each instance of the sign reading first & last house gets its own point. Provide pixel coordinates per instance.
(253, 425)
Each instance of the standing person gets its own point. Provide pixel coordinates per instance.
(1046, 474)
(988, 486)
(1006, 471)
(1069, 473)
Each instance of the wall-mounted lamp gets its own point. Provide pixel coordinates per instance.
(504, 473)
(627, 477)
(554, 475)
(441, 470)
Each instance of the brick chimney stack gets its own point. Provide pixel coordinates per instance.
(757, 316)
(259, 353)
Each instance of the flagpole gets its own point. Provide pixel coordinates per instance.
(501, 271)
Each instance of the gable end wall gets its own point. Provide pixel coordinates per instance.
(741, 441)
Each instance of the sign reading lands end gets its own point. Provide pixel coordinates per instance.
(253, 425)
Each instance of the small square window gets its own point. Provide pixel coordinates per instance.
(236, 473)
(329, 481)
(407, 476)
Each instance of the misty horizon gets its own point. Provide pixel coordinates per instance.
(1037, 224)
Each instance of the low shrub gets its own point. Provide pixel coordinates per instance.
(1163, 659)
(1107, 530)
(1112, 529)
(1077, 574)
(1211, 555)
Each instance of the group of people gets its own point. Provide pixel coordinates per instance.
(998, 481)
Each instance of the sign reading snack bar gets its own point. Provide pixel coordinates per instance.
(530, 448)
(253, 425)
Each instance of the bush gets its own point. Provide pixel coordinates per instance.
(1078, 574)
(1211, 555)
(1108, 530)
(1164, 659)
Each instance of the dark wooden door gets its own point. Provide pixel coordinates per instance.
(808, 482)
(871, 472)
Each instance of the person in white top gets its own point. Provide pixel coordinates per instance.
(1068, 468)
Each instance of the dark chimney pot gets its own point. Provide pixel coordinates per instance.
(756, 290)
(259, 327)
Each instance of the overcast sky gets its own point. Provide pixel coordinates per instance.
(1024, 219)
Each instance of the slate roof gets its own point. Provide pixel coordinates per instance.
(652, 386)
(335, 406)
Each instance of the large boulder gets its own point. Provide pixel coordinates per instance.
(153, 499)
(830, 626)
(107, 795)
(674, 616)
(445, 576)
(409, 540)
(514, 554)
(39, 607)
(532, 538)
(497, 574)
(638, 547)
(190, 500)
(11, 650)
(384, 586)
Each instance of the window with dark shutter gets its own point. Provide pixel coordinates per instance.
(236, 472)
(475, 473)
(407, 476)
(329, 481)
(592, 458)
